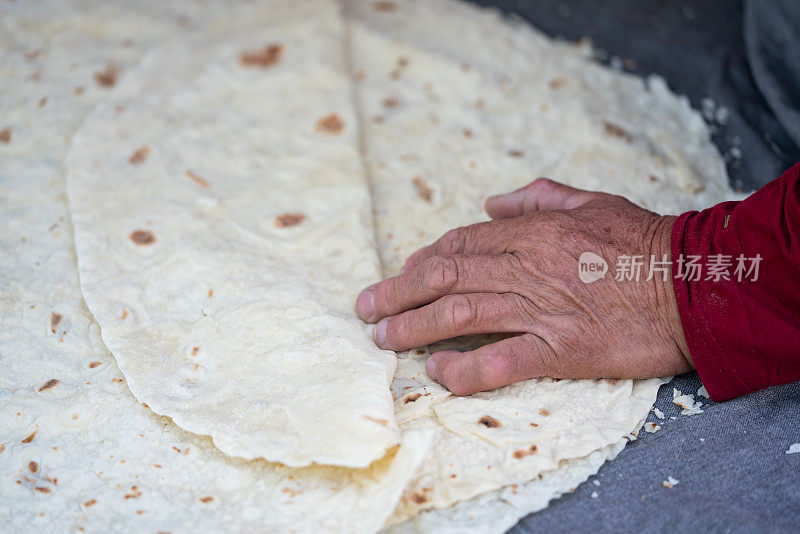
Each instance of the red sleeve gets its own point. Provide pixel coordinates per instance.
(743, 333)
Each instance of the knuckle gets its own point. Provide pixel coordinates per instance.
(441, 274)
(462, 311)
(497, 368)
(454, 241)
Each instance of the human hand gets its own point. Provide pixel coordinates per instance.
(518, 274)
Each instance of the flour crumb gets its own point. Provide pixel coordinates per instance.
(687, 402)
(794, 448)
(670, 482)
(594, 495)
(596, 482)
(651, 428)
(658, 413)
(702, 392)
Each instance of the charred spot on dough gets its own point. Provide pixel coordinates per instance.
(143, 237)
(266, 57)
(139, 155)
(544, 413)
(5, 135)
(195, 350)
(47, 385)
(78, 91)
(33, 467)
(92, 365)
(424, 191)
(90, 502)
(286, 220)
(557, 83)
(516, 153)
(199, 180)
(534, 425)
(42, 489)
(467, 133)
(55, 318)
(330, 124)
(207, 499)
(522, 453)
(653, 178)
(107, 77)
(30, 438)
(386, 7)
(617, 131)
(411, 397)
(390, 102)
(419, 498)
(489, 422)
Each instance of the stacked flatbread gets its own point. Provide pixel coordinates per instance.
(192, 195)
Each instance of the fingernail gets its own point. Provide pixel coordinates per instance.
(365, 304)
(430, 367)
(380, 332)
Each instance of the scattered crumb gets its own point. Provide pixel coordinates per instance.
(794, 448)
(702, 392)
(596, 482)
(670, 482)
(652, 428)
(658, 413)
(687, 402)
(594, 495)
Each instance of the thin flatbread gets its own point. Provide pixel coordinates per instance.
(77, 451)
(223, 229)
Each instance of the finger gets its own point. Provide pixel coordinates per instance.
(492, 366)
(541, 194)
(433, 279)
(452, 316)
(490, 237)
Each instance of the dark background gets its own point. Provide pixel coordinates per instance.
(699, 48)
(731, 461)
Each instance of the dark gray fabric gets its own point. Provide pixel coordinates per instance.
(739, 479)
(698, 47)
(772, 36)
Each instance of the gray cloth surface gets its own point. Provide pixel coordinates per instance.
(731, 462)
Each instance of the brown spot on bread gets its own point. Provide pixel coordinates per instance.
(557, 83)
(330, 124)
(90, 502)
(42, 489)
(33, 467)
(522, 453)
(382, 422)
(134, 493)
(139, 156)
(49, 384)
(411, 397)
(489, 422)
(123, 315)
(420, 352)
(616, 131)
(653, 178)
(386, 7)
(210, 293)
(266, 57)
(29, 438)
(108, 76)
(467, 133)
(143, 237)
(176, 449)
(544, 413)
(92, 365)
(117, 381)
(534, 425)
(2, 447)
(78, 91)
(157, 466)
(289, 219)
(516, 153)
(32, 54)
(424, 191)
(390, 102)
(55, 318)
(199, 180)
(207, 499)
(419, 498)
(195, 350)
(5, 135)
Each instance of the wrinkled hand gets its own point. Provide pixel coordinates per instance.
(519, 274)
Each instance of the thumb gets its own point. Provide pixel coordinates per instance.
(491, 366)
(541, 194)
